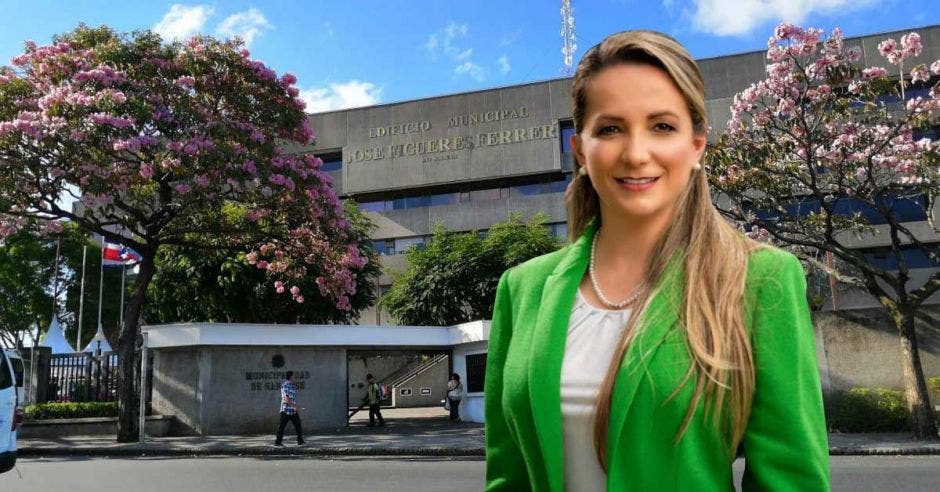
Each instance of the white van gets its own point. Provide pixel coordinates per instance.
(16, 362)
(11, 415)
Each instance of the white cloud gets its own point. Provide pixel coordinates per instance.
(247, 25)
(447, 42)
(443, 41)
(504, 66)
(471, 69)
(182, 22)
(738, 17)
(352, 94)
(328, 29)
(464, 55)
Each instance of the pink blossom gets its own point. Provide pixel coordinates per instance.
(874, 72)
(911, 44)
(295, 290)
(887, 47)
(202, 181)
(250, 168)
(182, 188)
(186, 81)
(146, 171)
(935, 67)
(920, 74)
(279, 287)
(300, 300)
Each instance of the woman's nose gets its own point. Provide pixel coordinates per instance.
(635, 150)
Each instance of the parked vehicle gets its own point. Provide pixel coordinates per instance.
(16, 361)
(11, 414)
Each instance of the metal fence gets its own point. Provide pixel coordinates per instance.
(83, 377)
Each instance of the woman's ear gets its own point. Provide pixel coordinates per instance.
(700, 142)
(577, 150)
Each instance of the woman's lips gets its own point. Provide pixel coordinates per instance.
(640, 184)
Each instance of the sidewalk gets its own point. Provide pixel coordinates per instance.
(408, 432)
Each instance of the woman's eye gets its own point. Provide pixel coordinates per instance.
(607, 130)
(664, 127)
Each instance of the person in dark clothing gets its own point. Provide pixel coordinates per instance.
(372, 397)
(454, 395)
(289, 410)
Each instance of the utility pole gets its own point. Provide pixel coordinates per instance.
(569, 45)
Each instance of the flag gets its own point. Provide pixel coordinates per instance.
(116, 255)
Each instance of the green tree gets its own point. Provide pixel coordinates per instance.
(221, 286)
(163, 145)
(824, 152)
(27, 270)
(454, 278)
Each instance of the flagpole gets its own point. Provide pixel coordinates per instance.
(81, 297)
(100, 283)
(123, 274)
(55, 276)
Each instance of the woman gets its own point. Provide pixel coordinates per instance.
(661, 342)
(454, 395)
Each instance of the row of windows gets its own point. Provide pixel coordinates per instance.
(913, 256)
(397, 246)
(904, 208)
(554, 186)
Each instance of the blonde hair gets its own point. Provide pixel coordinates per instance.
(713, 254)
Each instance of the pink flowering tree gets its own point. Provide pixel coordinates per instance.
(824, 151)
(169, 145)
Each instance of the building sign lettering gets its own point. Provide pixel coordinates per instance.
(402, 129)
(488, 117)
(271, 380)
(451, 145)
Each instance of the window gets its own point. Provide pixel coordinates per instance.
(476, 369)
(567, 154)
(913, 256)
(443, 199)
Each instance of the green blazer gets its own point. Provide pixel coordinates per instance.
(785, 444)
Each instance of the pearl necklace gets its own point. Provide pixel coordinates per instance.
(597, 288)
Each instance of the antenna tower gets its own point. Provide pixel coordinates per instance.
(567, 34)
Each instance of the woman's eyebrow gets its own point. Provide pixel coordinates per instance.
(659, 114)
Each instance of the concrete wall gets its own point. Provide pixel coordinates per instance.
(860, 348)
(176, 389)
(236, 390)
(434, 380)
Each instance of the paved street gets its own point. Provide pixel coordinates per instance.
(368, 474)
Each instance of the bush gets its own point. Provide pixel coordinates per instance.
(934, 383)
(867, 410)
(72, 410)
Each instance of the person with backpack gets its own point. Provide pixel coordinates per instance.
(289, 410)
(454, 395)
(374, 396)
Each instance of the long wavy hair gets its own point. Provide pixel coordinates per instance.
(713, 254)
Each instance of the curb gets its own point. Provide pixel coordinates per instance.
(856, 451)
(372, 451)
(252, 451)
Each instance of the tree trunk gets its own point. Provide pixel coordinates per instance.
(128, 403)
(923, 419)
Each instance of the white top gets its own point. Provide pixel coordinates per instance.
(593, 334)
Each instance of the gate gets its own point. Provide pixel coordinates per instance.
(83, 377)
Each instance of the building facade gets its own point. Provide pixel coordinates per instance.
(467, 160)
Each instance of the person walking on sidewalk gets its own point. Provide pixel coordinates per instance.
(372, 397)
(289, 410)
(454, 395)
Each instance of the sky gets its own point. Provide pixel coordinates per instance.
(359, 53)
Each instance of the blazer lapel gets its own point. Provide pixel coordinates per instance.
(657, 321)
(548, 350)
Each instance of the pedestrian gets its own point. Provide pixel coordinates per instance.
(289, 410)
(662, 341)
(454, 395)
(373, 400)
